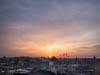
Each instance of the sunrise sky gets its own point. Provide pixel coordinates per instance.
(50, 28)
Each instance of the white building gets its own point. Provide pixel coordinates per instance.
(56, 67)
(19, 72)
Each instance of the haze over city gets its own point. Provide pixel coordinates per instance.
(50, 28)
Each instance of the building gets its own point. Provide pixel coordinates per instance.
(97, 68)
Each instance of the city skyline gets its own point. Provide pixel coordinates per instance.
(50, 28)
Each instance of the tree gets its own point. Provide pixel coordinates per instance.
(76, 59)
(0, 70)
(16, 62)
(94, 57)
(6, 72)
(53, 58)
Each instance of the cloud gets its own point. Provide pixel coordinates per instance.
(33, 24)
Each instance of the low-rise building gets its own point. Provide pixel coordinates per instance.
(97, 68)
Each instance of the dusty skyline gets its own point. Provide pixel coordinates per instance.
(50, 27)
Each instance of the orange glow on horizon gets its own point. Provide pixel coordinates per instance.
(47, 49)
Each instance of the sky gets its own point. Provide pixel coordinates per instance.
(50, 28)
